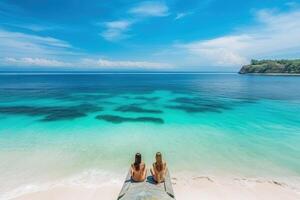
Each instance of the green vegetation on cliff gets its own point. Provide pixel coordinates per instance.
(272, 66)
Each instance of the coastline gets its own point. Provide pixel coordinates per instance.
(270, 74)
(185, 185)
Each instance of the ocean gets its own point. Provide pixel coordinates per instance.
(84, 128)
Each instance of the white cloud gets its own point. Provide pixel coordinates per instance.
(150, 8)
(18, 44)
(219, 51)
(116, 30)
(32, 62)
(105, 63)
(32, 27)
(84, 63)
(122, 24)
(182, 15)
(277, 35)
(27, 50)
(36, 27)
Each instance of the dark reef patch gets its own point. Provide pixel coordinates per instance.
(85, 97)
(194, 109)
(147, 98)
(195, 105)
(200, 102)
(52, 113)
(63, 116)
(118, 119)
(246, 100)
(136, 109)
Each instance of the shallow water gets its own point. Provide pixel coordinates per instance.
(67, 125)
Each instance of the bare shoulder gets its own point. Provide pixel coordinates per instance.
(154, 165)
(165, 165)
(132, 167)
(143, 165)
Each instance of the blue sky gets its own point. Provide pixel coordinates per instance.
(207, 35)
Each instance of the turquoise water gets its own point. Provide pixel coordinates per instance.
(57, 126)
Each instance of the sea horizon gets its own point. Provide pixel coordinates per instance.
(116, 71)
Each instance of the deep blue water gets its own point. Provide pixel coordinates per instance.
(230, 85)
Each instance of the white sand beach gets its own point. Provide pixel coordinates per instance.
(189, 188)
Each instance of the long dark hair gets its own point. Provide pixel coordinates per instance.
(137, 161)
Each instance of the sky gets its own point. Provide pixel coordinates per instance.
(173, 35)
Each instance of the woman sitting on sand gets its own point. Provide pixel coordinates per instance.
(138, 169)
(159, 168)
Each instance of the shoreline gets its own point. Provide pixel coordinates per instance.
(270, 74)
(185, 185)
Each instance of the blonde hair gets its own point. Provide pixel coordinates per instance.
(159, 162)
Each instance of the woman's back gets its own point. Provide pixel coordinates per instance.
(159, 168)
(138, 169)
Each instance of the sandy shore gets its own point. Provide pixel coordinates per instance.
(196, 187)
